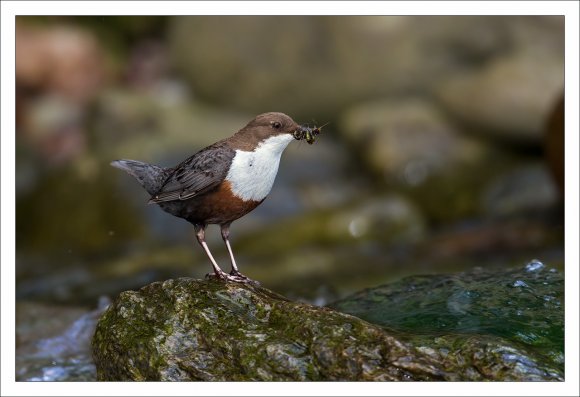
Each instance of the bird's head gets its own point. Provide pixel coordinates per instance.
(275, 124)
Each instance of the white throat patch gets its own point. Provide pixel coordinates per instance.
(252, 174)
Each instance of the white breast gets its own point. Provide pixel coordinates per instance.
(252, 174)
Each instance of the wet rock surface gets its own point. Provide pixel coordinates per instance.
(523, 306)
(187, 329)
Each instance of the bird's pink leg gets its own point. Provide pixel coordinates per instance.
(225, 230)
(217, 272)
(200, 234)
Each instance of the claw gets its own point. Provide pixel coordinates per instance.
(242, 278)
(237, 274)
(216, 276)
(236, 277)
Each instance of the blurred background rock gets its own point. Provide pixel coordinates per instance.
(434, 160)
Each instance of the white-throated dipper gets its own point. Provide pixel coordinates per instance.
(224, 181)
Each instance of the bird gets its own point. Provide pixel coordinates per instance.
(222, 182)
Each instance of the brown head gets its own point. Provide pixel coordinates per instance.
(264, 126)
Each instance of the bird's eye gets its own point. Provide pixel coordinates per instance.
(276, 125)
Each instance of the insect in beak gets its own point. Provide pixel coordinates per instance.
(307, 133)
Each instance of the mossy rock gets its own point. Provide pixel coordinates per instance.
(187, 329)
(523, 306)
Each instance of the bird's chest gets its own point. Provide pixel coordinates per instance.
(252, 174)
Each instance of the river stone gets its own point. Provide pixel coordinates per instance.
(529, 189)
(411, 146)
(187, 329)
(510, 99)
(327, 62)
(408, 140)
(523, 306)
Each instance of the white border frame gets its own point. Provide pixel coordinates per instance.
(10, 9)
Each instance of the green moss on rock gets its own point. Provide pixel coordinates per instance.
(187, 329)
(510, 321)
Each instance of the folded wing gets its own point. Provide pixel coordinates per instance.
(196, 175)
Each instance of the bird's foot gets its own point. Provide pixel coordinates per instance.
(235, 277)
(236, 273)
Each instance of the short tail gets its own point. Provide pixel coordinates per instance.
(150, 176)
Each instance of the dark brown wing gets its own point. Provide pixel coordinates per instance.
(201, 172)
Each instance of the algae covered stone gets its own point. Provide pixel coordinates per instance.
(515, 317)
(187, 329)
